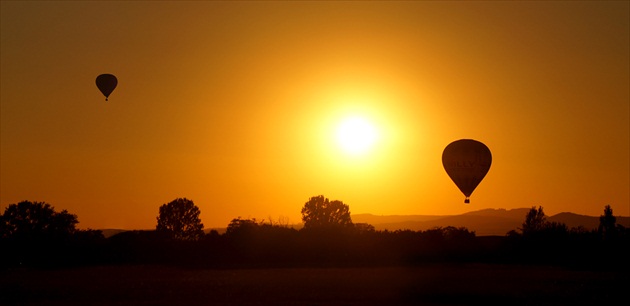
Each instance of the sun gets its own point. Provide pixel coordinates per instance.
(356, 135)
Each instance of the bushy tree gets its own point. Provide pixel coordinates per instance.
(240, 226)
(319, 212)
(180, 220)
(29, 220)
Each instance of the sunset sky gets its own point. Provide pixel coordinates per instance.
(245, 107)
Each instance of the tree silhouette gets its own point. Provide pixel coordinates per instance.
(240, 226)
(31, 220)
(534, 221)
(180, 220)
(319, 212)
(607, 223)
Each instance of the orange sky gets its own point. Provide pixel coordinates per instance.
(235, 106)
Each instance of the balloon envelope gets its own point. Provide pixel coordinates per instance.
(106, 83)
(466, 162)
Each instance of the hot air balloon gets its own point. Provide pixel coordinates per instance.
(466, 162)
(106, 83)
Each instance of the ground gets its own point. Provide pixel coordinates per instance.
(430, 284)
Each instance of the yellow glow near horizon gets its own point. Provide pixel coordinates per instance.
(356, 135)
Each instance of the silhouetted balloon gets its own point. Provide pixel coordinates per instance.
(466, 161)
(106, 83)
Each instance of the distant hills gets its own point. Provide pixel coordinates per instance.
(111, 232)
(486, 222)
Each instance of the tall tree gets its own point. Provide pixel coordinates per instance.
(607, 223)
(320, 212)
(535, 221)
(180, 220)
(26, 220)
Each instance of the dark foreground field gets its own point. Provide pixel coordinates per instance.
(439, 284)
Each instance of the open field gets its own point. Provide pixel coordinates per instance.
(439, 284)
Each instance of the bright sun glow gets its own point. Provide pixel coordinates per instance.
(356, 135)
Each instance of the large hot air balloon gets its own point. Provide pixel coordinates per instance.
(466, 161)
(106, 83)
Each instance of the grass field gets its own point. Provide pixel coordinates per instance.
(440, 284)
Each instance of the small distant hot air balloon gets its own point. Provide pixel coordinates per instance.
(106, 83)
(466, 162)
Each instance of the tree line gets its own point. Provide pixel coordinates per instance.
(34, 234)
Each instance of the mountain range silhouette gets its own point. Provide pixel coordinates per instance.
(486, 222)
